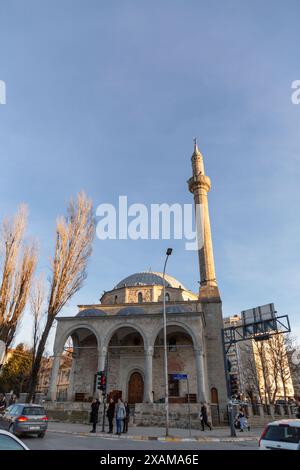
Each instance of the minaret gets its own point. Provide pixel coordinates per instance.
(199, 185)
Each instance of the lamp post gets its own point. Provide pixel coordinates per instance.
(168, 253)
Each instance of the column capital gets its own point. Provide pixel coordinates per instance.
(198, 351)
(102, 351)
(149, 351)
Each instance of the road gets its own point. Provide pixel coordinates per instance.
(59, 441)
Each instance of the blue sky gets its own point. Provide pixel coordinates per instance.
(107, 96)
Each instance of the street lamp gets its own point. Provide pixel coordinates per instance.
(168, 253)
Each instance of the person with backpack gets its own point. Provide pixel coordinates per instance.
(120, 416)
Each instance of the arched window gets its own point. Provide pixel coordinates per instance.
(140, 298)
(214, 395)
(116, 299)
(167, 297)
(172, 344)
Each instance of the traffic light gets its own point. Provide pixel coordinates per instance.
(101, 381)
(234, 384)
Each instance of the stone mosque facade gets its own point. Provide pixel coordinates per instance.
(124, 332)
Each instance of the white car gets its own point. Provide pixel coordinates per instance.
(10, 442)
(283, 434)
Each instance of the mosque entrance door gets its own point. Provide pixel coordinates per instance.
(135, 388)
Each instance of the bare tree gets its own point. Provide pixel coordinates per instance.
(266, 370)
(18, 265)
(74, 237)
(250, 375)
(37, 297)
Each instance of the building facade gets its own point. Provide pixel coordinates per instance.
(123, 334)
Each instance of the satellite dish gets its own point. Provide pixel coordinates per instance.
(2, 351)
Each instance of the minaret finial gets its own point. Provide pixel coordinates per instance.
(196, 150)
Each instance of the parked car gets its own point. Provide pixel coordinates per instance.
(283, 434)
(24, 418)
(10, 442)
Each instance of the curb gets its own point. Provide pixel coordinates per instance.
(158, 438)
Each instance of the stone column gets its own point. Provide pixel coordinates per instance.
(201, 394)
(101, 363)
(148, 396)
(101, 359)
(70, 394)
(53, 380)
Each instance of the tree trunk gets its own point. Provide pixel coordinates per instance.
(37, 361)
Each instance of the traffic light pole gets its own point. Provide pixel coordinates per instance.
(228, 387)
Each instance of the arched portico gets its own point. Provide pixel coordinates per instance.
(185, 356)
(85, 353)
(125, 354)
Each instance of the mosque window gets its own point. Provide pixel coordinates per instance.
(172, 345)
(167, 297)
(173, 386)
(140, 298)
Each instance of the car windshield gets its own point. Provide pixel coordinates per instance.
(283, 434)
(33, 411)
(8, 443)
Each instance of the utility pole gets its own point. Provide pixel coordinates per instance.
(168, 253)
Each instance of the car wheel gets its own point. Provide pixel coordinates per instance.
(41, 434)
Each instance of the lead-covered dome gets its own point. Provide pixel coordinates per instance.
(149, 279)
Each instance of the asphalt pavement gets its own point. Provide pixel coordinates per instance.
(61, 441)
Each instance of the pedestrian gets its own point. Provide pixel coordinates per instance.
(12, 398)
(2, 403)
(120, 416)
(94, 414)
(203, 417)
(110, 413)
(242, 419)
(126, 419)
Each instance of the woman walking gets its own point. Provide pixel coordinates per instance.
(203, 417)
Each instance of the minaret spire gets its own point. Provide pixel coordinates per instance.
(199, 185)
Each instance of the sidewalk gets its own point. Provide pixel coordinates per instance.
(154, 433)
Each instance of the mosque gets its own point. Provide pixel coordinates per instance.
(123, 334)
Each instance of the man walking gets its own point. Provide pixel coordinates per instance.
(94, 414)
(203, 417)
(110, 415)
(126, 419)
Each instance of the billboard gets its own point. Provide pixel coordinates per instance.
(256, 314)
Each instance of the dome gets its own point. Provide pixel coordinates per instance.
(91, 312)
(131, 310)
(149, 279)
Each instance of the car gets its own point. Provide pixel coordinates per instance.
(10, 442)
(24, 418)
(282, 434)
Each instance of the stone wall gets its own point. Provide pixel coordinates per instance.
(180, 361)
(68, 411)
(153, 414)
(85, 368)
